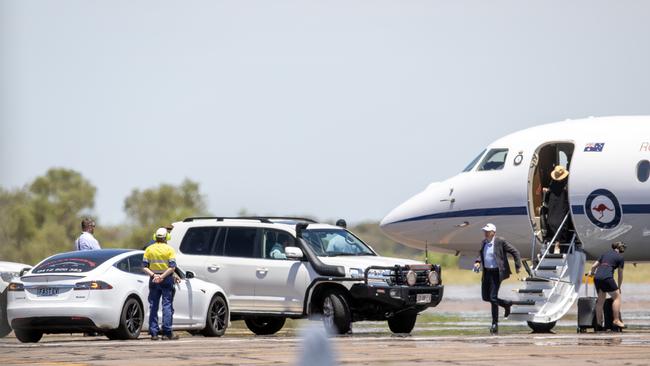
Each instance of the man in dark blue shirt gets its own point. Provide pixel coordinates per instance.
(603, 271)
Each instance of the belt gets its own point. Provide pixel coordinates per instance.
(490, 269)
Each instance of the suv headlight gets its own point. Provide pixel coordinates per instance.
(384, 275)
(411, 278)
(434, 280)
(8, 276)
(356, 273)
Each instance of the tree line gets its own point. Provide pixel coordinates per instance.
(43, 217)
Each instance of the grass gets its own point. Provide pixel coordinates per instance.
(453, 275)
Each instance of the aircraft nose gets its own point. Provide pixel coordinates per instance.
(396, 224)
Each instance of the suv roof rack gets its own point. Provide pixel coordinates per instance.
(264, 219)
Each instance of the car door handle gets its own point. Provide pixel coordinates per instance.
(262, 270)
(213, 267)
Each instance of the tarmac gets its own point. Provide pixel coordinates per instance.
(454, 333)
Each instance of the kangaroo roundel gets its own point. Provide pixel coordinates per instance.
(602, 209)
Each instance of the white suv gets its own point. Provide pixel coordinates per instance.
(273, 268)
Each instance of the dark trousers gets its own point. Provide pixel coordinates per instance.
(156, 292)
(490, 291)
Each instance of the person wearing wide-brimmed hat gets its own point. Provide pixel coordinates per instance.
(557, 201)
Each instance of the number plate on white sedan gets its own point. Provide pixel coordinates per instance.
(47, 291)
(423, 298)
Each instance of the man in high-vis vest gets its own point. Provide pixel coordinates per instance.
(159, 263)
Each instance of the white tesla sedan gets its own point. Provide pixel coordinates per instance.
(106, 291)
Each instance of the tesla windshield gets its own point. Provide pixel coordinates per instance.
(333, 242)
(74, 262)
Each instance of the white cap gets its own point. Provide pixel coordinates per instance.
(489, 227)
(161, 233)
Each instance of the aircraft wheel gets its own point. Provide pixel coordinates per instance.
(541, 327)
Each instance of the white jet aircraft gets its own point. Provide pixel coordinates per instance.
(608, 197)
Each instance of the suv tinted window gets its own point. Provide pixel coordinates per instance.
(274, 242)
(240, 242)
(199, 240)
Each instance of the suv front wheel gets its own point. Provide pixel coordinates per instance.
(336, 313)
(264, 325)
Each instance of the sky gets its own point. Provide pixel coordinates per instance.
(323, 108)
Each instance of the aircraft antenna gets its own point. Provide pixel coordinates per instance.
(426, 251)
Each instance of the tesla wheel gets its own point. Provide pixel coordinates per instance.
(264, 325)
(403, 322)
(28, 335)
(216, 320)
(336, 313)
(541, 327)
(131, 320)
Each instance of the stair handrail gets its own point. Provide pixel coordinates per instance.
(557, 232)
(565, 268)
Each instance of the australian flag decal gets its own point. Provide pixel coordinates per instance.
(594, 147)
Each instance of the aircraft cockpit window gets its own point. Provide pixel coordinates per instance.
(494, 160)
(643, 170)
(471, 165)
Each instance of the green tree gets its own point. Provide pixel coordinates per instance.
(17, 224)
(61, 196)
(43, 218)
(155, 207)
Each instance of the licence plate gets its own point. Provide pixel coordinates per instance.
(423, 298)
(47, 291)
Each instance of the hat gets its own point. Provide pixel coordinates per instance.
(161, 233)
(559, 173)
(489, 227)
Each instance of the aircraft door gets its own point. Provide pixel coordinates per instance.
(548, 192)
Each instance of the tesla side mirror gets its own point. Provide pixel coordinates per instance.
(293, 252)
(189, 274)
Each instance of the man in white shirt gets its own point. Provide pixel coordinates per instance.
(493, 259)
(86, 241)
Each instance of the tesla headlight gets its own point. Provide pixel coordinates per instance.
(411, 278)
(356, 273)
(434, 280)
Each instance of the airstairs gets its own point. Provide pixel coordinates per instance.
(552, 286)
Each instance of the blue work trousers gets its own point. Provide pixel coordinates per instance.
(156, 291)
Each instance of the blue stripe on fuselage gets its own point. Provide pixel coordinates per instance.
(627, 209)
(498, 211)
(514, 211)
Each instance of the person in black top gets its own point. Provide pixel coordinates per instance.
(603, 272)
(558, 205)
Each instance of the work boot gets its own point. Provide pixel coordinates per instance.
(494, 329)
(169, 337)
(155, 337)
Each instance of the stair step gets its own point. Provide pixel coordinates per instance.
(537, 279)
(520, 312)
(548, 268)
(523, 302)
(554, 256)
(530, 291)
